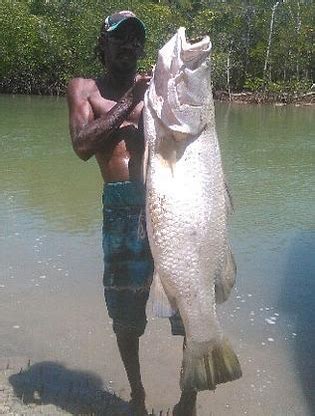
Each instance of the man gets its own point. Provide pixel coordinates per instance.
(106, 122)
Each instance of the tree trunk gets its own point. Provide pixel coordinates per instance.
(270, 39)
(298, 31)
(228, 74)
(248, 18)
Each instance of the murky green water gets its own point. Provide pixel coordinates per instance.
(268, 156)
(50, 217)
(40, 174)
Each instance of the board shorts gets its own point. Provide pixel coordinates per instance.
(128, 263)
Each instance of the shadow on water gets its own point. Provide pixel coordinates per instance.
(298, 301)
(77, 392)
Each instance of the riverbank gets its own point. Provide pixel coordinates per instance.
(243, 97)
(248, 97)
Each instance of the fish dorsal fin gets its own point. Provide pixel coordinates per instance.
(228, 199)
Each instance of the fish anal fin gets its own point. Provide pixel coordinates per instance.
(225, 282)
(161, 305)
(205, 369)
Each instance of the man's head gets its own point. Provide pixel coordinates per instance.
(121, 41)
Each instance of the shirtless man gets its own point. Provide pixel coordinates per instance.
(106, 122)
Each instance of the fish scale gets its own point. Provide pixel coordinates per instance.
(187, 208)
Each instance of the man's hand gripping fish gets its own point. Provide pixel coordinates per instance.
(187, 208)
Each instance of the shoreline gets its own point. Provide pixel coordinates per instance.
(278, 99)
(241, 97)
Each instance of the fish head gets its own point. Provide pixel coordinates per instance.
(180, 92)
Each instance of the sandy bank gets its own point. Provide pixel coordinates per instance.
(48, 389)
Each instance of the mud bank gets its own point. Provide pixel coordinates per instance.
(247, 97)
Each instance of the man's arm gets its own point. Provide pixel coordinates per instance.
(89, 135)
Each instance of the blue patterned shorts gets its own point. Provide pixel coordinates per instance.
(128, 264)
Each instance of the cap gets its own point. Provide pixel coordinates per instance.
(114, 21)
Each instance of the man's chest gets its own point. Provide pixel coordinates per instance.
(102, 106)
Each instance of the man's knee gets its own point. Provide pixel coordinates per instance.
(123, 331)
(127, 309)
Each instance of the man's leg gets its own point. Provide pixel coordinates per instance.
(128, 344)
(128, 268)
(186, 405)
(188, 400)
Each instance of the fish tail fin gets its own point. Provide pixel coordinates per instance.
(161, 305)
(206, 366)
(225, 282)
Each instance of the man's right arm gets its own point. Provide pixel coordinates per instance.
(88, 134)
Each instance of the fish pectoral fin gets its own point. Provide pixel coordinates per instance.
(161, 305)
(225, 282)
(204, 369)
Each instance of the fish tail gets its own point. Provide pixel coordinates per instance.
(205, 367)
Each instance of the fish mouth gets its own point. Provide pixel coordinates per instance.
(195, 39)
(194, 50)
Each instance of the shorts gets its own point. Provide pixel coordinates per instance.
(128, 264)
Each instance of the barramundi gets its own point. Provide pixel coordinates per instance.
(187, 206)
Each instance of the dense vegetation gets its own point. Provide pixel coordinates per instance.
(259, 45)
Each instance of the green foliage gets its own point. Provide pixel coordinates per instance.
(254, 84)
(161, 23)
(291, 87)
(44, 43)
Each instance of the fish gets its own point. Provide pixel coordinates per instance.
(187, 207)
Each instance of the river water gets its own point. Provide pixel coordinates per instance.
(52, 306)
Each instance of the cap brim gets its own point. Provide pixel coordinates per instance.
(130, 19)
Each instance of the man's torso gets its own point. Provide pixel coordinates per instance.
(121, 157)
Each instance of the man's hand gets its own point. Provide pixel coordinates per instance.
(139, 88)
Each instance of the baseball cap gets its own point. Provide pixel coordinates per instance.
(114, 21)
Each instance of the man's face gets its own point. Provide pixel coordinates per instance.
(125, 47)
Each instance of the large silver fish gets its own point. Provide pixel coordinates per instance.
(187, 207)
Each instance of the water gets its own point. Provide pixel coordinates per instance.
(51, 258)
(39, 171)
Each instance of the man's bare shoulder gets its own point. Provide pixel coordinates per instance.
(83, 87)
